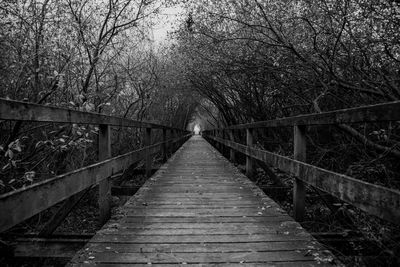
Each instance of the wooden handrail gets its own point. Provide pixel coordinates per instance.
(24, 111)
(373, 113)
(378, 200)
(23, 203)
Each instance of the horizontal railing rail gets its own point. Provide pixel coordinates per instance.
(24, 111)
(372, 113)
(377, 200)
(21, 204)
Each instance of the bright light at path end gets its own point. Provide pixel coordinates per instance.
(196, 129)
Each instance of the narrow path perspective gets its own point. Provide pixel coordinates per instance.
(198, 209)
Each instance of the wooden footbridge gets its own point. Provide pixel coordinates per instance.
(197, 209)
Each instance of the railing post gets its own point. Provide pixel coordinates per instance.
(232, 155)
(220, 145)
(249, 160)
(215, 135)
(104, 186)
(223, 147)
(180, 137)
(164, 145)
(148, 159)
(299, 191)
(173, 133)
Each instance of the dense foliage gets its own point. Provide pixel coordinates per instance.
(87, 55)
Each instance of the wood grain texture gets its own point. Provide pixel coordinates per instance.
(185, 214)
(23, 111)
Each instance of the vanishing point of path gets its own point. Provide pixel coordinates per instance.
(198, 209)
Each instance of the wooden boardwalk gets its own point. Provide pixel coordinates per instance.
(198, 209)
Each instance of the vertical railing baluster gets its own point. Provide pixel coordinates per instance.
(148, 159)
(105, 185)
(173, 143)
(232, 156)
(299, 191)
(249, 160)
(164, 145)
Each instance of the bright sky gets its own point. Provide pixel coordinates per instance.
(169, 20)
(197, 129)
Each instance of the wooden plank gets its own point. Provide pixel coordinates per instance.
(208, 225)
(374, 199)
(166, 239)
(105, 185)
(232, 210)
(208, 219)
(199, 257)
(201, 213)
(24, 111)
(248, 229)
(373, 113)
(207, 247)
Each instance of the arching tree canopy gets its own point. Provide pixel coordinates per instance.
(256, 60)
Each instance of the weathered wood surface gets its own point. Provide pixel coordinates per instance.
(197, 210)
(374, 113)
(21, 204)
(380, 201)
(24, 111)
